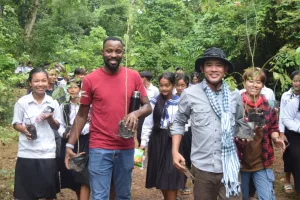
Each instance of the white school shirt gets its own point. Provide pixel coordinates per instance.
(152, 91)
(284, 99)
(291, 115)
(26, 111)
(73, 112)
(148, 123)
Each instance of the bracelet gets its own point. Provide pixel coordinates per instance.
(70, 145)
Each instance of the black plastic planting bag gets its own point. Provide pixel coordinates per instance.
(78, 163)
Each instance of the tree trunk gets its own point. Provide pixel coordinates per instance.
(1, 10)
(31, 21)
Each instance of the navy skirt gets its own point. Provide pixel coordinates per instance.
(35, 179)
(161, 172)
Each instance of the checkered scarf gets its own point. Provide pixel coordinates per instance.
(230, 161)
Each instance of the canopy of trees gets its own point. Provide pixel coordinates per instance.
(161, 34)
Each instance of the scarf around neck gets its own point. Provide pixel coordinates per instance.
(166, 116)
(246, 100)
(230, 160)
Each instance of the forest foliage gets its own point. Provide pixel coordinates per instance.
(162, 34)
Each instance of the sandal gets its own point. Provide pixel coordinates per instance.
(288, 188)
(186, 191)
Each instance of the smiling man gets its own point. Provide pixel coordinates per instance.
(110, 156)
(211, 107)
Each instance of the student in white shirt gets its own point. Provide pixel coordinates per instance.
(288, 157)
(152, 92)
(35, 172)
(161, 173)
(77, 181)
(182, 82)
(195, 78)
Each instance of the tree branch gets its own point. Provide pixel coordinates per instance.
(31, 21)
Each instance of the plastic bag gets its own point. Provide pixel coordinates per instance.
(79, 162)
(138, 157)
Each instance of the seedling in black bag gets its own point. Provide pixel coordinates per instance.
(29, 127)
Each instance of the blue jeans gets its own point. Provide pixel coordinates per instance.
(263, 181)
(110, 165)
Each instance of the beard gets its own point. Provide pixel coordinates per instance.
(113, 67)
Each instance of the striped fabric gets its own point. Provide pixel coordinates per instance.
(165, 119)
(230, 160)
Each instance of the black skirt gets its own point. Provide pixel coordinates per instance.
(69, 178)
(35, 179)
(161, 172)
(291, 156)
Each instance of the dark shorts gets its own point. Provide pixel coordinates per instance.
(35, 179)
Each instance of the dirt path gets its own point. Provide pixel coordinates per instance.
(8, 160)
(139, 192)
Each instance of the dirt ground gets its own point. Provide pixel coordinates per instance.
(139, 192)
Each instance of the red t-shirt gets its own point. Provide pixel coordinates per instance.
(106, 93)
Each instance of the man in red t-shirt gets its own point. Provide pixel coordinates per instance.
(110, 156)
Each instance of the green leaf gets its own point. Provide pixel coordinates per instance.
(275, 76)
(126, 37)
(288, 79)
(281, 78)
(297, 58)
(58, 93)
(68, 68)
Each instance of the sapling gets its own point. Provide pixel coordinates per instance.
(30, 127)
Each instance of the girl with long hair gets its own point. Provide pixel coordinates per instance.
(160, 171)
(290, 116)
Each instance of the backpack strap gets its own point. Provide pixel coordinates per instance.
(66, 113)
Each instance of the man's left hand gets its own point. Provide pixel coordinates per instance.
(131, 121)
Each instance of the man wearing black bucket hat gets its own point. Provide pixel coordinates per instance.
(212, 109)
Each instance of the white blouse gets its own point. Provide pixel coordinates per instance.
(148, 123)
(284, 99)
(291, 115)
(26, 111)
(73, 112)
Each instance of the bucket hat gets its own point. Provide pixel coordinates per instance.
(213, 52)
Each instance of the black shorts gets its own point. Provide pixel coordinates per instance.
(35, 179)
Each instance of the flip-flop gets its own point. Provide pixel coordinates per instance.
(288, 188)
(186, 191)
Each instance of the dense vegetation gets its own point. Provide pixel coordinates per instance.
(161, 35)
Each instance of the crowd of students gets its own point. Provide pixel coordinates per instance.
(41, 159)
(191, 127)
